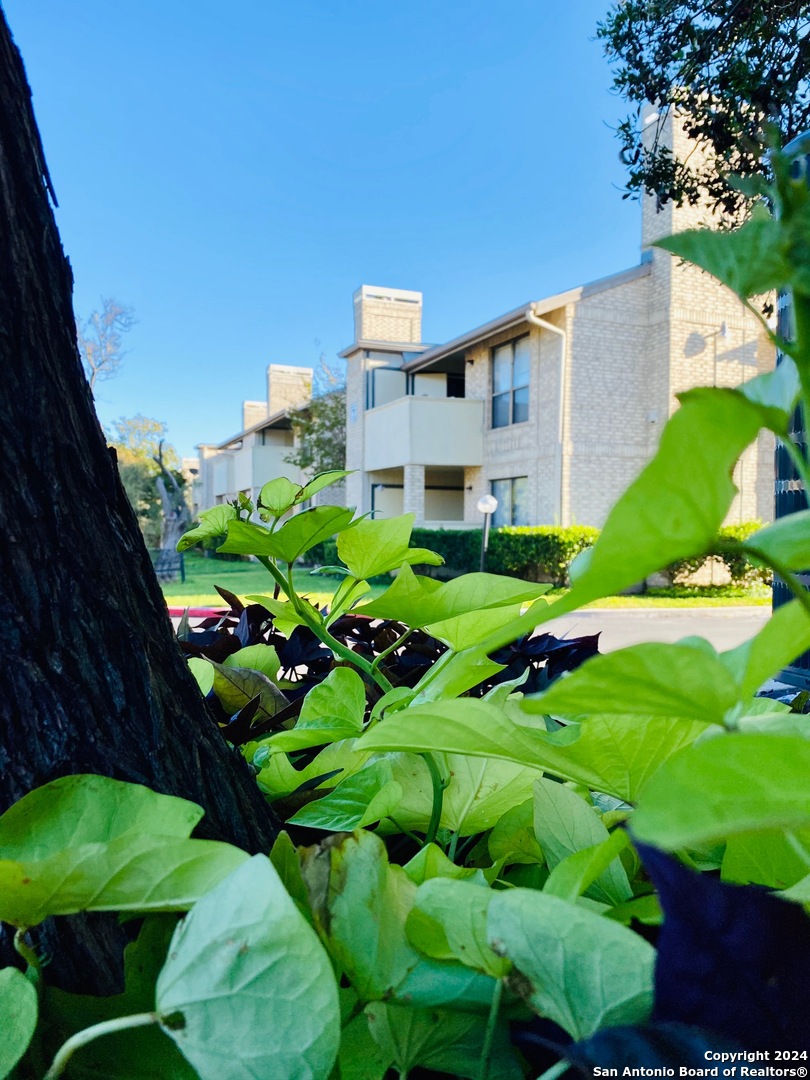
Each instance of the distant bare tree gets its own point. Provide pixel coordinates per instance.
(176, 514)
(100, 339)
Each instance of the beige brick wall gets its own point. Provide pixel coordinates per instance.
(287, 386)
(382, 314)
(253, 412)
(355, 404)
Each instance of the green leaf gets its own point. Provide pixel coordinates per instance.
(283, 611)
(321, 481)
(783, 637)
(332, 710)
(786, 540)
(583, 971)
(440, 1039)
(341, 697)
(360, 1058)
(473, 626)
(800, 892)
(375, 546)
(613, 754)
(360, 800)
(248, 933)
(262, 658)
(18, 1008)
(96, 844)
(420, 601)
(235, 687)
(142, 1053)
(677, 681)
(431, 862)
(279, 495)
(644, 909)
(479, 792)
(284, 858)
(512, 838)
(86, 809)
(279, 777)
(659, 519)
(352, 875)
(726, 786)
(576, 873)
(130, 873)
(565, 824)
(777, 389)
(213, 523)
(772, 858)
(203, 674)
(751, 260)
(295, 537)
(449, 921)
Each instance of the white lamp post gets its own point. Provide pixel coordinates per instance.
(487, 505)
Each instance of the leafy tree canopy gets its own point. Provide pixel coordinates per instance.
(730, 67)
(320, 429)
(140, 444)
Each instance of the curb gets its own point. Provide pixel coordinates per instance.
(197, 612)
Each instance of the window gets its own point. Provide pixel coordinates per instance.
(512, 496)
(510, 383)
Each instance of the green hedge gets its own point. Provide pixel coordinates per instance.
(460, 548)
(538, 552)
(543, 552)
(741, 572)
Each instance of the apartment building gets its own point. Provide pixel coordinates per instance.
(553, 407)
(257, 453)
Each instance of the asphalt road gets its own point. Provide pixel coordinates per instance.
(723, 627)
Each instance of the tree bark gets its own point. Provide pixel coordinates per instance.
(91, 678)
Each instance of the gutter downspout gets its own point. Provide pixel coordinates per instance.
(535, 320)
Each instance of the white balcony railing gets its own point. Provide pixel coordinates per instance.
(424, 431)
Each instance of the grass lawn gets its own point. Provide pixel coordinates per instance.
(243, 579)
(246, 578)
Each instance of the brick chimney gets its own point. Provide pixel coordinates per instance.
(393, 315)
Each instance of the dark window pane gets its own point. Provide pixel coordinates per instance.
(520, 499)
(502, 369)
(502, 490)
(520, 372)
(455, 386)
(500, 410)
(521, 405)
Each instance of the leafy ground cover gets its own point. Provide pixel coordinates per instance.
(503, 856)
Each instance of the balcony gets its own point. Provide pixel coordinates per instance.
(424, 431)
(249, 468)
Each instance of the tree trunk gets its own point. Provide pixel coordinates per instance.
(91, 678)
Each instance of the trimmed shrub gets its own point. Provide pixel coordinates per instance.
(538, 552)
(460, 548)
(740, 571)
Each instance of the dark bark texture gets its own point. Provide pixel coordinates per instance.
(91, 679)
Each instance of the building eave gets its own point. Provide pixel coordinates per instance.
(518, 316)
(280, 421)
(384, 346)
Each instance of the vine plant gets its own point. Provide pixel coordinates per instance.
(476, 881)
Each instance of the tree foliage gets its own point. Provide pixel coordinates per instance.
(320, 429)
(730, 68)
(150, 473)
(100, 339)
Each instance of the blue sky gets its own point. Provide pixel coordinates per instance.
(235, 172)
